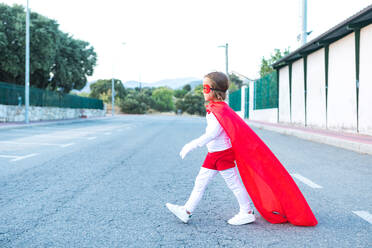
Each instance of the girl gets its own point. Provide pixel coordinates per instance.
(220, 158)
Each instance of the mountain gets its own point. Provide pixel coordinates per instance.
(175, 83)
(86, 88)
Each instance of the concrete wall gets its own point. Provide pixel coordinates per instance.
(11, 113)
(284, 105)
(341, 85)
(365, 81)
(298, 97)
(316, 99)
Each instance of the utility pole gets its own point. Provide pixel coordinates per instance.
(226, 46)
(27, 74)
(113, 88)
(304, 22)
(112, 96)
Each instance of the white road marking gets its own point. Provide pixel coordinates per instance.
(364, 215)
(92, 138)
(23, 157)
(34, 143)
(8, 156)
(66, 145)
(306, 181)
(16, 158)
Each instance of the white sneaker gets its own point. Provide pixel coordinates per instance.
(242, 218)
(179, 211)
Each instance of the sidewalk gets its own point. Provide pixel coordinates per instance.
(355, 142)
(10, 125)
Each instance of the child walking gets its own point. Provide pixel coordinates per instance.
(219, 160)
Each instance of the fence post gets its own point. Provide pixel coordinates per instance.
(243, 89)
(251, 99)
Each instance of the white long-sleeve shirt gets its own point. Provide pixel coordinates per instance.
(215, 136)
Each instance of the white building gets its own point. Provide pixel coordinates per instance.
(327, 83)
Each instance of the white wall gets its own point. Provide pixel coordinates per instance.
(284, 108)
(316, 99)
(298, 97)
(365, 81)
(266, 115)
(341, 84)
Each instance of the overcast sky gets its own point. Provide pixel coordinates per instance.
(180, 38)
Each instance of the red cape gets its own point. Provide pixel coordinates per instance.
(272, 190)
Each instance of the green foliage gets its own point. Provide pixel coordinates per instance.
(102, 90)
(82, 94)
(163, 98)
(180, 93)
(187, 87)
(137, 102)
(236, 80)
(58, 62)
(132, 105)
(193, 102)
(199, 90)
(233, 87)
(266, 67)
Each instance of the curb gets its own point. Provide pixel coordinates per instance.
(359, 147)
(45, 123)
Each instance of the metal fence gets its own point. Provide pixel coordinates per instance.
(266, 92)
(12, 94)
(246, 107)
(235, 100)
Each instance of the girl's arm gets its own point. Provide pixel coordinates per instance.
(212, 131)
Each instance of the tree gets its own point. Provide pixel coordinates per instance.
(194, 104)
(102, 89)
(187, 87)
(137, 102)
(180, 93)
(132, 106)
(233, 87)
(236, 80)
(163, 98)
(266, 67)
(58, 62)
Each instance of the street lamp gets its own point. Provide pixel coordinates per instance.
(226, 46)
(27, 76)
(113, 90)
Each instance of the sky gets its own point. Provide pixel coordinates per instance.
(152, 40)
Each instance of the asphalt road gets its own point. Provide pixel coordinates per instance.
(104, 183)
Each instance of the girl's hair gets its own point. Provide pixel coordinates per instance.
(219, 82)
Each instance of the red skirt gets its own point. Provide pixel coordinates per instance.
(221, 160)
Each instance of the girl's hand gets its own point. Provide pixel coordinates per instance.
(188, 148)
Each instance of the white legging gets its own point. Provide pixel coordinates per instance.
(232, 181)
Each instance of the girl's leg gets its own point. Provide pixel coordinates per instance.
(201, 182)
(233, 182)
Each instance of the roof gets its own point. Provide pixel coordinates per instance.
(357, 21)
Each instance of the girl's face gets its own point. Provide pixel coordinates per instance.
(207, 84)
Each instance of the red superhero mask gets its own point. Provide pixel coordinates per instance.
(207, 89)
